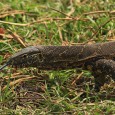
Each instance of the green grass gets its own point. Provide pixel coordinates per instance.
(33, 92)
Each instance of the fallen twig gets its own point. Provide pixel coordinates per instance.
(99, 12)
(42, 20)
(17, 37)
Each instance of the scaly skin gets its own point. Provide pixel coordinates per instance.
(98, 58)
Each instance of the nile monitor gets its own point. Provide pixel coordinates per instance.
(99, 58)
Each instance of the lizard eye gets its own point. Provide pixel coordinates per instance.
(24, 56)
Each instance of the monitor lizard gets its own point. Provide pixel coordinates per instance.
(99, 58)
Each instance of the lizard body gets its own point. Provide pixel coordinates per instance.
(94, 57)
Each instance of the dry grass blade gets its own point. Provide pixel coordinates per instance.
(100, 12)
(60, 35)
(71, 12)
(11, 13)
(7, 36)
(61, 12)
(18, 81)
(77, 78)
(17, 37)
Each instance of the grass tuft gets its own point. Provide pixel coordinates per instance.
(48, 22)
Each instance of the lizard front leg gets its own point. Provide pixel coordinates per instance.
(103, 68)
(100, 70)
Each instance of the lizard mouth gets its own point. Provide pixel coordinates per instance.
(12, 64)
(21, 65)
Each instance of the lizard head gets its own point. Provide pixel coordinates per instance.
(27, 57)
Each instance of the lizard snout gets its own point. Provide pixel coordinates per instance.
(6, 64)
